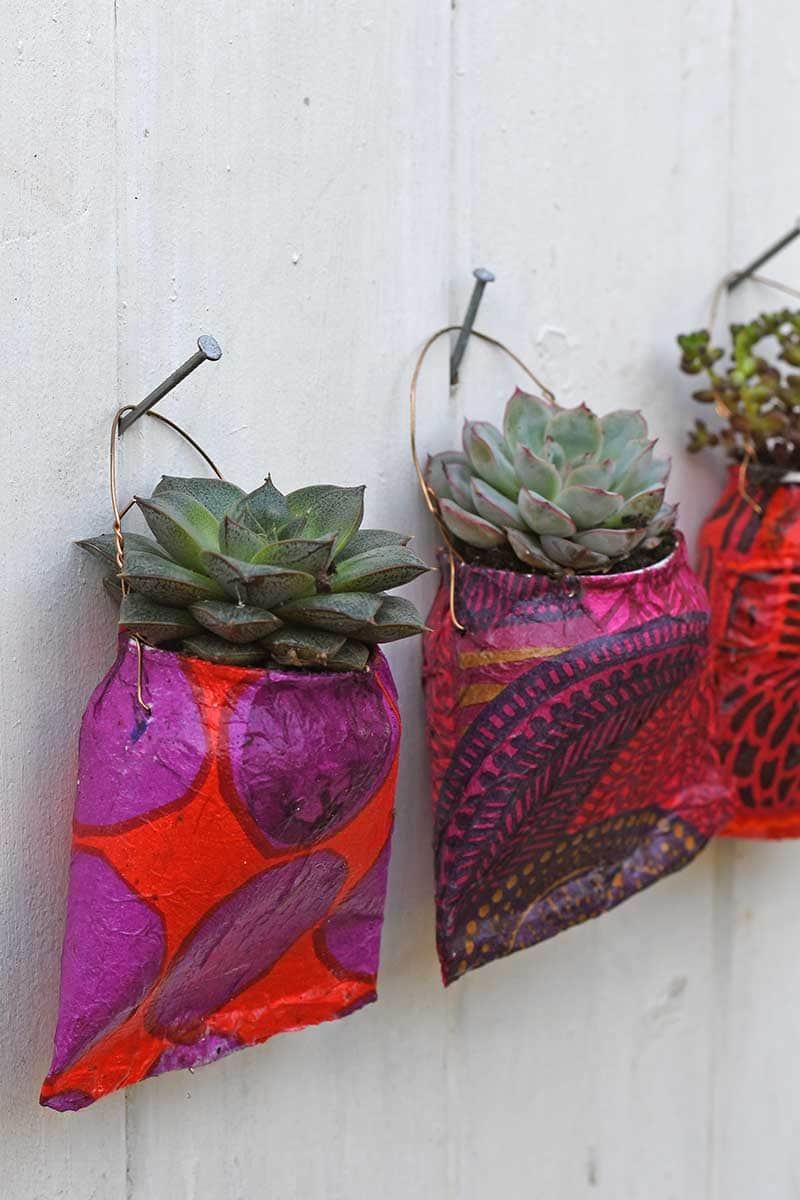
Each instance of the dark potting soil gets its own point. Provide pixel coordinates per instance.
(503, 558)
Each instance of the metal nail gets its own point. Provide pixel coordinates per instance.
(482, 277)
(739, 276)
(207, 350)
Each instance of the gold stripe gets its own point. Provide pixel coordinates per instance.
(479, 693)
(478, 658)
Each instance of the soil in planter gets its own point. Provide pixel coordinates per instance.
(503, 558)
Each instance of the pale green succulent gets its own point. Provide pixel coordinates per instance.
(262, 578)
(567, 491)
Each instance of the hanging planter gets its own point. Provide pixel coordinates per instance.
(565, 677)
(750, 561)
(236, 782)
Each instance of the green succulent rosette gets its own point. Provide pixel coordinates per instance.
(565, 490)
(261, 577)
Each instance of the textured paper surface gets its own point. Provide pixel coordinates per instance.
(571, 737)
(229, 864)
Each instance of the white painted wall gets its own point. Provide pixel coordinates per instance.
(311, 181)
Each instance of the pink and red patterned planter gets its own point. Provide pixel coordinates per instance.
(570, 730)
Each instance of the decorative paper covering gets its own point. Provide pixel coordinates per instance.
(571, 744)
(751, 565)
(229, 864)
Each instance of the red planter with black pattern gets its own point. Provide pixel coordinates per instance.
(750, 561)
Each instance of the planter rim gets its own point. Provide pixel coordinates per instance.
(675, 558)
(275, 674)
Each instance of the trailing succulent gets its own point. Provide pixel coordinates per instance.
(261, 578)
(567, 491)
(760, 402)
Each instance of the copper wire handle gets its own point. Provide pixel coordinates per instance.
(721, 411)
(119, 538)
(428, 494)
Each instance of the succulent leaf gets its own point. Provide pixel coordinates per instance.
(154, 623)
(494, 506)
(543, 516)
(294, 646)
(242, 515)
(525, 421)
(238, 541)
(396, 618)
(458, 479)
(234, 622)
(641, 507)
(266, 506)
(627, 456)
(530, 551)
(434, 471)
(469, 527)
(377, 570)
(535, 473)
(326, 509)
(347, 612)
(620, 428)
(489, 456)
(166, 582)
(374, 539)
(217, 495)
(113, 587)
(590, 506)
(554, 454)
(303, 554)
(644, 472)
(614, 543)
(217, 650)
(353, 656)
(570, 554)
(594, 474)
(577, 431)
(663, 521)
(183, 526)
(273, 586)
(260, 584)
(309, 648)
(104, 546)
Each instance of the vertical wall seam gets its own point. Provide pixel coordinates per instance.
(723, 866)
(117, 205)
(451, 1140)
(127, 1163)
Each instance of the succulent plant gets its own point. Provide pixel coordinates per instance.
(261, 578)
(760, 402)
(567, 491)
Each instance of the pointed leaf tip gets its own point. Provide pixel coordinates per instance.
(183, 526)
(469, 527)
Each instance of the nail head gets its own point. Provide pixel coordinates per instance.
(209, 346)
(484, 275)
